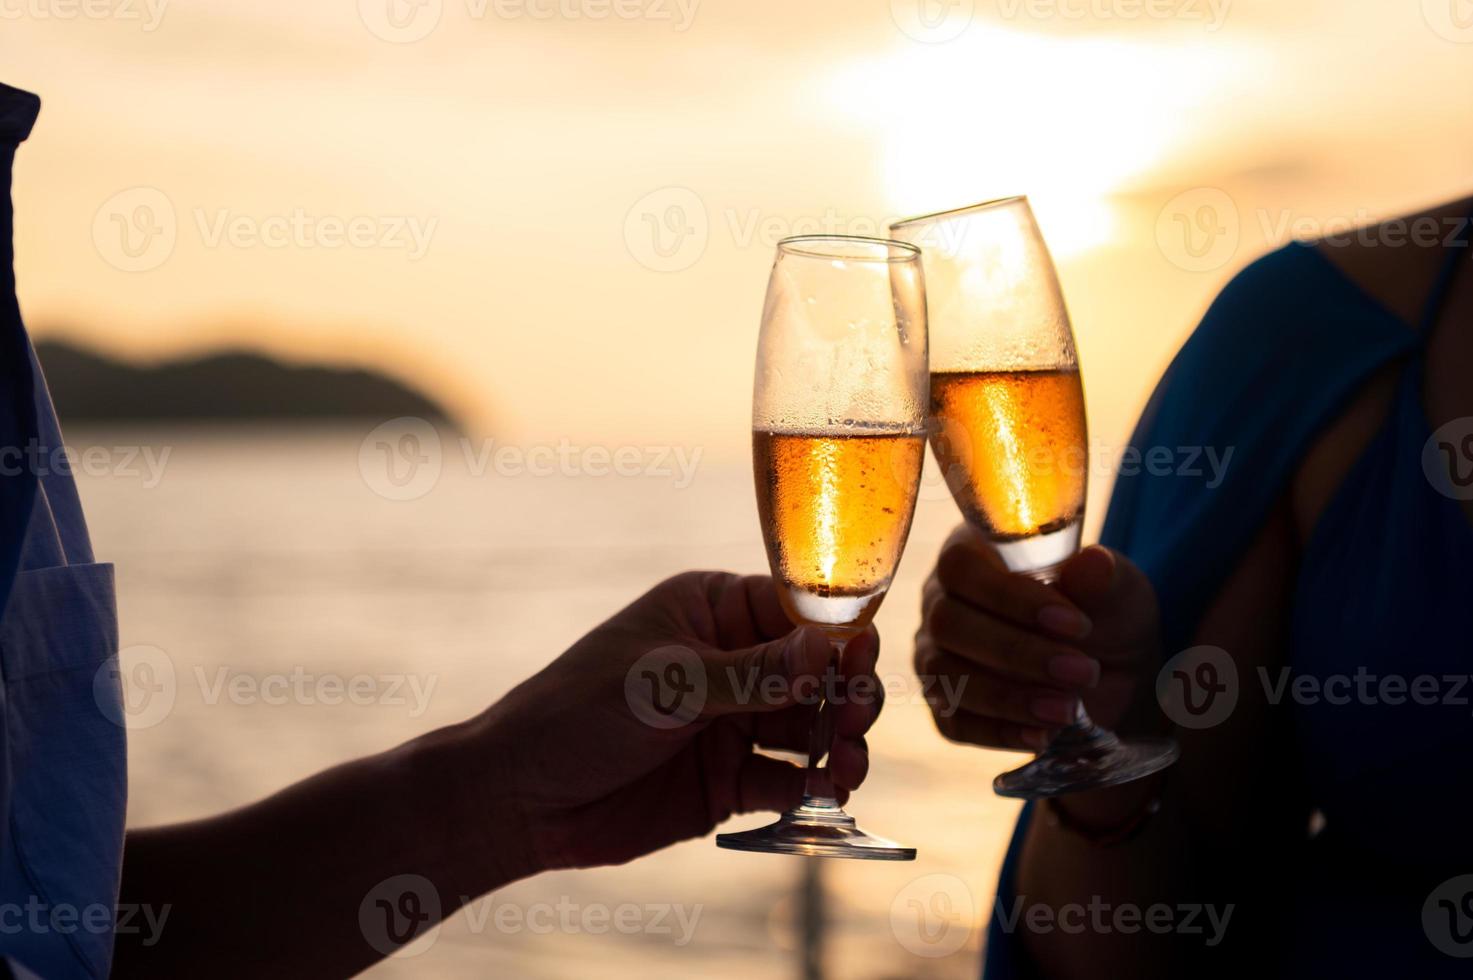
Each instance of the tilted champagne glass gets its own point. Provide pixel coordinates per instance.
(838, 438)
(1009, 433)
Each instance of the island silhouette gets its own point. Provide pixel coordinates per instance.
(228, 386)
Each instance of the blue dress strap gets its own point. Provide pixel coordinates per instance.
(1444, 284)
(1278, 355)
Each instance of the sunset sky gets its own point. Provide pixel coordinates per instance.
(560, 223)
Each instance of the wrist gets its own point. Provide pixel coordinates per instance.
(1143, 714)
(1104, 812)
(460, 777)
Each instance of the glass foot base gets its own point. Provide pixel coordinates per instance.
(816, 829)
(1090, 758)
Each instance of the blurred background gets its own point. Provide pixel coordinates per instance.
(536, 233)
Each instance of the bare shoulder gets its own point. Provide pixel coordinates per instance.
(1396, 261)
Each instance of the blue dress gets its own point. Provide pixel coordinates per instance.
(1383, 588)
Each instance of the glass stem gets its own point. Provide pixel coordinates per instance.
(818, 790)
(1081, 736)
(1083, 731)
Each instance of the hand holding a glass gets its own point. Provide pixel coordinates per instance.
(1029, 652)
(838, 423)
(650, 729)
(1010, 434)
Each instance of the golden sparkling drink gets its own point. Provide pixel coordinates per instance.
(1012, 446)
(836, 509)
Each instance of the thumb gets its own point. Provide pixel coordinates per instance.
(1089, 579)
(1110, 589)
(767, 676)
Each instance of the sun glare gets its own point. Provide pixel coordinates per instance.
(1067, 121)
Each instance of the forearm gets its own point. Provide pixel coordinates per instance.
(1094, 896)
(275, 888)
(1090, 857)
(1213, 876)
(1231, 818)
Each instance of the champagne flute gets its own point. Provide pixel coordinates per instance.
(838, 439)
(1009, 434)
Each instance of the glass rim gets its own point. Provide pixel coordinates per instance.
(996, 202)
(806, 246)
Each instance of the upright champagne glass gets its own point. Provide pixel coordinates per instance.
(1009, 433)
(838, 439)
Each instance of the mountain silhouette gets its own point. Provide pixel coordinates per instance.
(231, 386)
